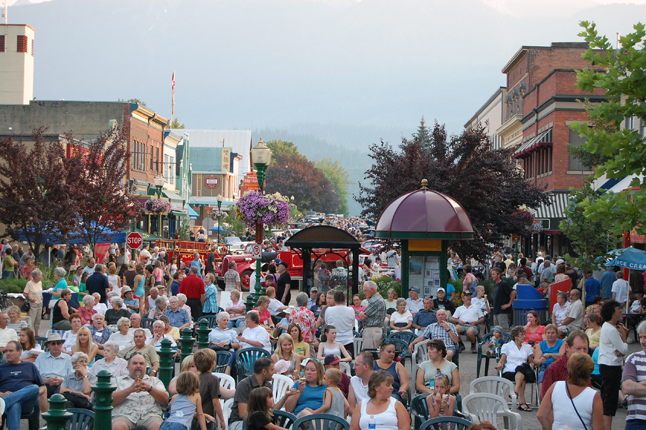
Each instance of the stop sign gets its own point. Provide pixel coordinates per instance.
(134, 240)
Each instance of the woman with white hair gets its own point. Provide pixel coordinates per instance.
(122, 337)
(86, 311)
(222, 338)
(159, 309)
(110, 362)
(182, 305)
(61, 284)
(78, 383)
(113, 315)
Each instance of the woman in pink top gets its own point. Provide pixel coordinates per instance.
(356, 305)
(534, 331)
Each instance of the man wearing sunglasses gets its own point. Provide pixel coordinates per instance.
(53, 365)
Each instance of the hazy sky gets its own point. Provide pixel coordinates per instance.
(272, 63)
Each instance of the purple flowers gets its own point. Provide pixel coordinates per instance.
(157, 206)
(271, 210)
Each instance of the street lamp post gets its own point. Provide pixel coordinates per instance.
(158, 181)
(261, 156)
(219, 216)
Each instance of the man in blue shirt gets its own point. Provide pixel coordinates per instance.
(426, 316)
(20, 385)
(177, 316)
(54, 365)
(197, 263)
(607, 279)
(592, 288)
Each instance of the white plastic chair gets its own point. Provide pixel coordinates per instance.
(358, 344)
(419, 355)
(226, 410)
(226, 381)
(495, 385)
(280, 385)
(345, 368)
(489, 407)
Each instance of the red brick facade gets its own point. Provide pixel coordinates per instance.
(550, 103)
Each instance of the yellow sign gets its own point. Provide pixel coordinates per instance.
(424, 245)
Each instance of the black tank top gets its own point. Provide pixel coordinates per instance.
(57, 315)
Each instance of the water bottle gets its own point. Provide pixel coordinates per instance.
(372, 424)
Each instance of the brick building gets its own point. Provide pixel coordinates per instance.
(542, 102)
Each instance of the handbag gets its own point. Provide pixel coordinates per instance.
(77, 400)
(567, 388)
(25, 306)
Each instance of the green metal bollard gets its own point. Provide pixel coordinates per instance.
(103, 401)
(165, 362)
(249, 304)
(57, 417)
(187, 342)
(203, 335)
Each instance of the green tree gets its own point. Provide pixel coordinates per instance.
(339, 177)
(424, 134)
(176, 124)
(232, 223)
(620, 73)
(587, 158)
(292, 174)
(282, 149)
(135, 100)
(590, 238)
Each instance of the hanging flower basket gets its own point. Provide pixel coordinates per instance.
(157, 206)
(526, 217)
(272, 210)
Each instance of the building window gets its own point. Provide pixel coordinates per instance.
(152, 158)
(142, 160)
(171, 170)
(630, 123)
(158, 160)
(133, 154)
(22, 44)
(2, 43)
(198, 185)
(575, 164)
(166, 170)
(32, 47)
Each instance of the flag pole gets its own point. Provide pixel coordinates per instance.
(172, 110)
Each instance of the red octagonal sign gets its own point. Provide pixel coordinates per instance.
(134, 240)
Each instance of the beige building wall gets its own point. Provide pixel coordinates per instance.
(16, 64)
(490, 116)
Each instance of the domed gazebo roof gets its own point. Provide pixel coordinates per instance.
(424, 214)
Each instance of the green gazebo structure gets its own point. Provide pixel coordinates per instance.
(425, 221)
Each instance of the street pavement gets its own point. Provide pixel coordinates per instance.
(467, 374)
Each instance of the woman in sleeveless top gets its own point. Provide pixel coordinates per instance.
(572, 403)
(285, 351)
(385, 411)
(332, 347)
(388, 364)
(549, 350)
(61, 312)
(158, 272)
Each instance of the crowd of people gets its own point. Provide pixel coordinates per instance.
(584, 343)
